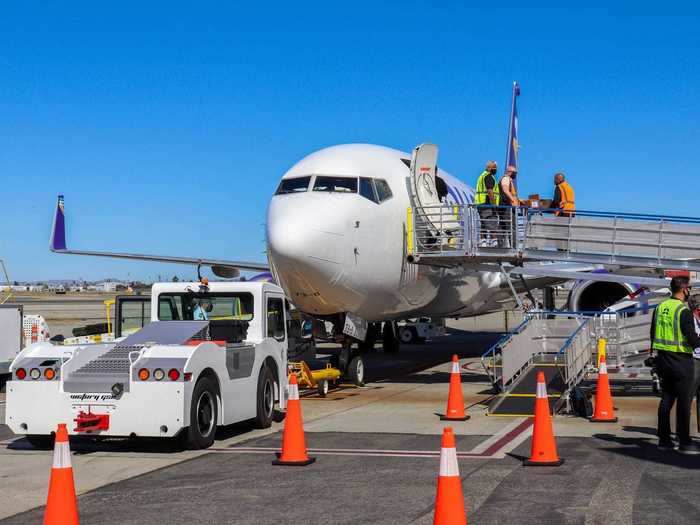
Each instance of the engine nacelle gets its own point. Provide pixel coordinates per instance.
(596, 296)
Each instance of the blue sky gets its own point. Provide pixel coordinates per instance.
(168, 127)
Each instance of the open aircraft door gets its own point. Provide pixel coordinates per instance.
(424, 188)
(423, 171)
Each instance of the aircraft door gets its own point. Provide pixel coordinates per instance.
(423, 171)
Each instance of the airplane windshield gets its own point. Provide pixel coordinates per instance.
(336, 184)
(296, 185)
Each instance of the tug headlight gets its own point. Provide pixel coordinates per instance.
(35, 373)
(158, 374)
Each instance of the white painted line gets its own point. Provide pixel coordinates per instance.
(481, 447)
(345, 452)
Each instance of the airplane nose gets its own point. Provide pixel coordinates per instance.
(305, 241)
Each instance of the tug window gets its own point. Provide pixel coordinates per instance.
(210, 306)
(275, 318)
(336, 184)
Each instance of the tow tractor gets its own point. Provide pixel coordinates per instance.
(212, 354)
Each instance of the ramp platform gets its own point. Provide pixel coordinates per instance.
(453, 235)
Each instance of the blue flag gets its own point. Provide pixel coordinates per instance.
(512, 150)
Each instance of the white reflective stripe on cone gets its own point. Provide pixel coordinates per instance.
(455, 367)
(603, 368)
(448, 462)
(61, 455)
(541, 390)
(293, 392)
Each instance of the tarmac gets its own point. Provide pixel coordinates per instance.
(377, 450)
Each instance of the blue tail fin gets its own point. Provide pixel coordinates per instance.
(58, 232)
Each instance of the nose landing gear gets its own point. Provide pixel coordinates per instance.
(390, 338)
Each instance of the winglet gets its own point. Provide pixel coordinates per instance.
(58, 232)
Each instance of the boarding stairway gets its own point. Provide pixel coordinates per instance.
(564, 346)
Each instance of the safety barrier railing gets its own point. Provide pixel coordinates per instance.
(537, 234)
(491, 359)
(576, 354)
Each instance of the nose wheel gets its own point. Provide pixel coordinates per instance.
(351, 364)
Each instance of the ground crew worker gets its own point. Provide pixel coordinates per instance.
(694, 307)
(202, 309)
(508, 196)
(563, 200)
(673, 339)
(486, 198)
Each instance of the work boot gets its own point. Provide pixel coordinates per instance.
(690, 449)
(666, 444)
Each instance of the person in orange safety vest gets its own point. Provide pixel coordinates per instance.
(563, 200)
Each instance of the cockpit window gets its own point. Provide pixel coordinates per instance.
(296, 185)
(383, 190)
(367, 189)
(336, 184)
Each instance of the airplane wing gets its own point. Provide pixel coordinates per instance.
(562, 273)
(221, 267)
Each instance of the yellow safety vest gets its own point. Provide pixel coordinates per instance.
(482, 192)
(667, 328)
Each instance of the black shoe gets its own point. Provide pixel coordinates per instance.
(691, 449)
(666, 444)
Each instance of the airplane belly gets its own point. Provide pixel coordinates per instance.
(463, 293)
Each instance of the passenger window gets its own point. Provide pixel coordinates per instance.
(383, 190)
(296, 185)
(367, 189)
(336, 184)
(275, 318)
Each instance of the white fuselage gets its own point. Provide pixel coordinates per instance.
(338, 252)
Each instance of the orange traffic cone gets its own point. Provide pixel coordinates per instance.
(61, 506)
(449, 502)
(455, 401)
(603, 410)
(293, 442)
(543, 451)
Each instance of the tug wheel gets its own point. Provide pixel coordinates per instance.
(265, 398)
(203, 415)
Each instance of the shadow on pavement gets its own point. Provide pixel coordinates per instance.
(645, 449)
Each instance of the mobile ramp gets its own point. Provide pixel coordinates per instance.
(563, 345)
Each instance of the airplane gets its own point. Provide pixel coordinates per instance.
(336, 229)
